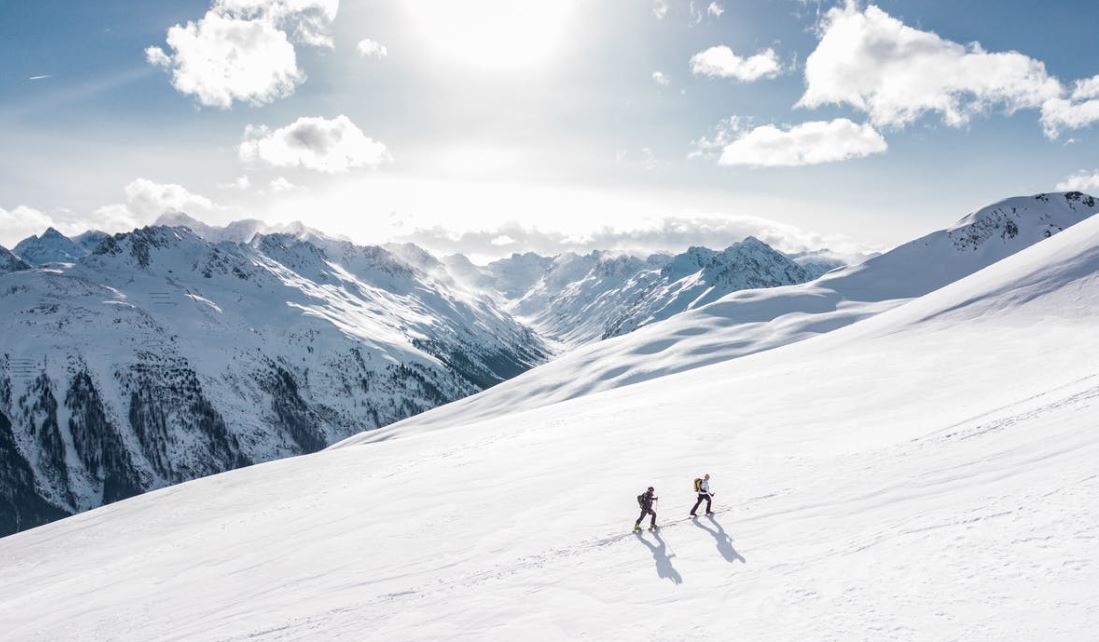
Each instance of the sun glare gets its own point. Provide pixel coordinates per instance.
(493, 34)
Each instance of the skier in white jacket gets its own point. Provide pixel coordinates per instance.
(704, 493)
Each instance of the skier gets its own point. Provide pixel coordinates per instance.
(645, 500)
(702, 487)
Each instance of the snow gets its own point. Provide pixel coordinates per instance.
(927, 473)
(10, 262)
(754, 320)
(356, 337)
(574, 299)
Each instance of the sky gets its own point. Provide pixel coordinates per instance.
(497, 126)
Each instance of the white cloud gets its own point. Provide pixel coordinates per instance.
(242, 50)
(155, 56)
(146, 201)
(309, 21)
(661, 78)
(220, 60)
(721, 62)
(1080, 109)
(809, 143)
(21, 222)
(695, 13)
(894, 73)
(324, 145)
(669, 234)
(280, 184)
(660, 9)
(1082, 181)
(1059, 114)
(725, 133)
(1086, 89)
(715, 9)
(372, 49)
(242, 183)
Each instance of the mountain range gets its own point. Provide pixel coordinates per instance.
(746, 322)
(144, 359)
(910, 456)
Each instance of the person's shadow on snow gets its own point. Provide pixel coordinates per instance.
(663, 561)
(724, 542)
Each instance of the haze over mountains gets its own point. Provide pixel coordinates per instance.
(918, 473)
(144, 359)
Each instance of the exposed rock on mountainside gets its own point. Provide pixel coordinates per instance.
(163, 356)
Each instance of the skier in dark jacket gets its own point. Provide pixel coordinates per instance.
(646, 500)
(704, 494)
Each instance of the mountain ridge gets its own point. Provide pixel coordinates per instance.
(162, 356)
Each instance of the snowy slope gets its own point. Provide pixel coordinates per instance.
(750, 321)
(925, 474)
(10, 262)
(163, 356)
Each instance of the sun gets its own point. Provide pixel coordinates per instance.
(493, 34)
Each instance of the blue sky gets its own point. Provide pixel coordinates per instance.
(491, 126)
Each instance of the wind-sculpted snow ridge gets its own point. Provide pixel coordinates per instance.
(925, 474)
(750, 321)
(162, 357)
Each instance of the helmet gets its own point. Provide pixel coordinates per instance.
(650, 489)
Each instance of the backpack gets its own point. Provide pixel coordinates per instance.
(698, 484)
(641, 500)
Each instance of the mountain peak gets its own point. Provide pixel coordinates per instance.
(178, 219)
(10, 262)
(50, 247)
(1030, 218)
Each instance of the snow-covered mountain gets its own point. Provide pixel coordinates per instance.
(576, 299)
(750, 321)
(185, 349)
(928, 473)
(10, 262)
(163, 356)
(54, 247)
(821, 262)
